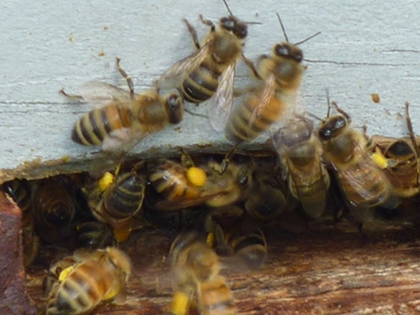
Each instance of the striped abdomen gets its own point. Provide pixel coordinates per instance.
(363, 184)
(245, 125)
(125, 197)
(98, 124)
(82, 290)
(200, 84)
(310, 186)
(215, 298)
(170, 180)
(404, 174)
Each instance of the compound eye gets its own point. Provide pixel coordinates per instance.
(281, 50)
(227, 23)
(298, 56)
(241, 31)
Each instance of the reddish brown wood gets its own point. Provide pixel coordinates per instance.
(13, 298)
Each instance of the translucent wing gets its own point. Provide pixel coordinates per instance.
(100, 93)
(172, 77)
(221, 103)
(265, 97)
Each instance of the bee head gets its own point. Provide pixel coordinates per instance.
(232, 24)
(331, 127)
(295, 132)
(175, 107)
(289, 51)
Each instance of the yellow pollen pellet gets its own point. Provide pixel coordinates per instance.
(180, 303)
(379, 160)
(196, 176)
(106, 181)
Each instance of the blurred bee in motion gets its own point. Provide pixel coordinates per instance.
(125, 117)
(280, 75)
(361, 181)
(55, 204)
(94, 234)
(402, 156)
(267, 200)
(117, 199)
(246, 249)
(209, 72)
(95, 276)
(300, 153)
(196, 270)
(21, 193)
(184, 187)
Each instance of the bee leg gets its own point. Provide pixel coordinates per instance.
(193, 33)
(342, 112)
(410, 130)
(251, 65)
(70, 96)
(208, 23)
(225, 163)
(126, 77)
(186, 159)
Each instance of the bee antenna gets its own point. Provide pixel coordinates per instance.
(327, 92)
(306, 39)
(252, 23)
(227, 7)
(314, 116)
(282, 27)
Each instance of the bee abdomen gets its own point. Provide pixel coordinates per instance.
(200, 85)
(96, 125)
(252, 248)
(241, 128)
(216, 298)
(127, 198)
(81, 291)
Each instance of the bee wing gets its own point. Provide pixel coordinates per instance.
(175, 74)
(100, 93)
(265, 97)
(222, 101)
(353, 183)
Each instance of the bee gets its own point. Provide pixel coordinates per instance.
(55, 205)
(196, 270)
(176, 183)
(247, 249)
(116, 199)
(209, 71)
(95, 276)
(267, 200)
(280, 75)
(361, 181)
(125, 117)
(94, 235)
(402, 156)
(300, 153)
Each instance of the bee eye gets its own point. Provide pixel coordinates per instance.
(241, 31)
(298, 56)
(281, 50)
(175, 108)
(227, 23)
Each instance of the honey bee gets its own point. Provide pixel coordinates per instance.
(280, 75)
(247, 249)
(361, 181)
(267, 201)
(55, 205)
(300, 152)
(196, 270)
(402, 157)
(209, 72)
(94, 235)
(125, 118)
(116, 199)
(176, 183)
(96, 276)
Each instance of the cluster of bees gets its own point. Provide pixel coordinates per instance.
(217, 203)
